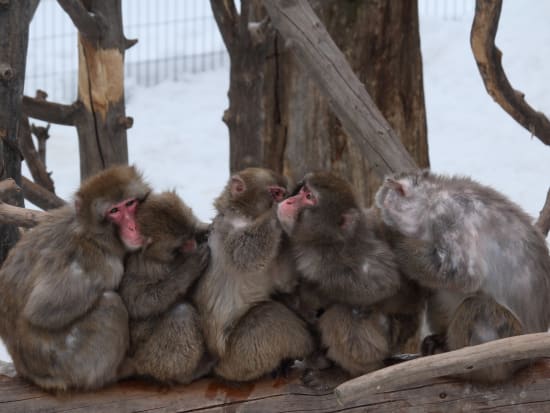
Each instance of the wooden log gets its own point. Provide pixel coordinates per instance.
(297, 23)
(464, 360)
(527, 392)
(19, 217)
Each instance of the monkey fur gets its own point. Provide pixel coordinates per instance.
(166, 341)
(248, 332)
(370, 310)
(63, 324)
(486, 265)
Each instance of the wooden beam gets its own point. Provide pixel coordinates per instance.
(326, 64)
(527, 392)
(19, 217)
(464, 360)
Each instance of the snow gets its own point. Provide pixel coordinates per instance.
(468, 132)
(180, 142)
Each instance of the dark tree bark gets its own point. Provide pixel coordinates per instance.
(297, 129)
(15, 17)
(102, 121)
(247, 47)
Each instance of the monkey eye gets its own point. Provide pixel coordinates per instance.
(113, 210)
(130, 202)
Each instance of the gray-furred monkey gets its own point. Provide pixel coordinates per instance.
(61, 321)
(353, 274)
(487, 265)
(166, 341)
(249, 333)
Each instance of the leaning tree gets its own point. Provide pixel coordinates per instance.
(279, 116)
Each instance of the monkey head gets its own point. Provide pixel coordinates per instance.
(323, 208)
(251, 192)
(106, 204)
(404, 200)
(169, 227)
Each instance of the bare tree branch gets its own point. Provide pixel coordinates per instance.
(40, 196)
(128, 43)
(489, 62)
(227, 19)
(464, 360)
(543, 223)
(50, 112)
(326, 64)
(36, 167)
(42, 135)
(90, 25)
(20, 217)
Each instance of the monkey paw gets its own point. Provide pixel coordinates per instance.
(324, 380)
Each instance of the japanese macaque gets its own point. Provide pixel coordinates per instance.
(249, 333)
(353, 274)
(487, 266)
(166, 342)
(63, 324)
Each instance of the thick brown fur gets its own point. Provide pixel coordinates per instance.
(166, 341)
(486, 266)
(370, 310)
(245, 329)
(61, 321)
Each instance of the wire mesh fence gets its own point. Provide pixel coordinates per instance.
(175, 37)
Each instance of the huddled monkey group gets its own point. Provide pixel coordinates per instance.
(125, 282)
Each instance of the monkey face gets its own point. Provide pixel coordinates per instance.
(252, 191)
(323, 208)
(289, 209)
(123, 215)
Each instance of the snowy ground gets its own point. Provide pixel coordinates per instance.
(180, 142)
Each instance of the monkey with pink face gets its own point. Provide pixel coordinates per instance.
(60, 318)
(349, 275)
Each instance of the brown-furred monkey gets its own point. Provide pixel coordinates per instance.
(370, 310)
(60, 318)
(487, 266)
(166, 340)
(248, 332)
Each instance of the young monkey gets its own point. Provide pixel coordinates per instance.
(486, 265)
(249, 333)
(353, 275)
(166, 341)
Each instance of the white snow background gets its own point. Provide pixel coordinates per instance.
(180, 142)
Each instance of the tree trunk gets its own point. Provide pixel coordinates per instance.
(278, 118)
(15, 17)
(381, 42)
(102, 123)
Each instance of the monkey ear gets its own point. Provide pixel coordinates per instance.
(237, 185)
(401, 186)
(77, 204)
(348, 220)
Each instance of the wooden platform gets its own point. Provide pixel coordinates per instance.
(528, 392)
